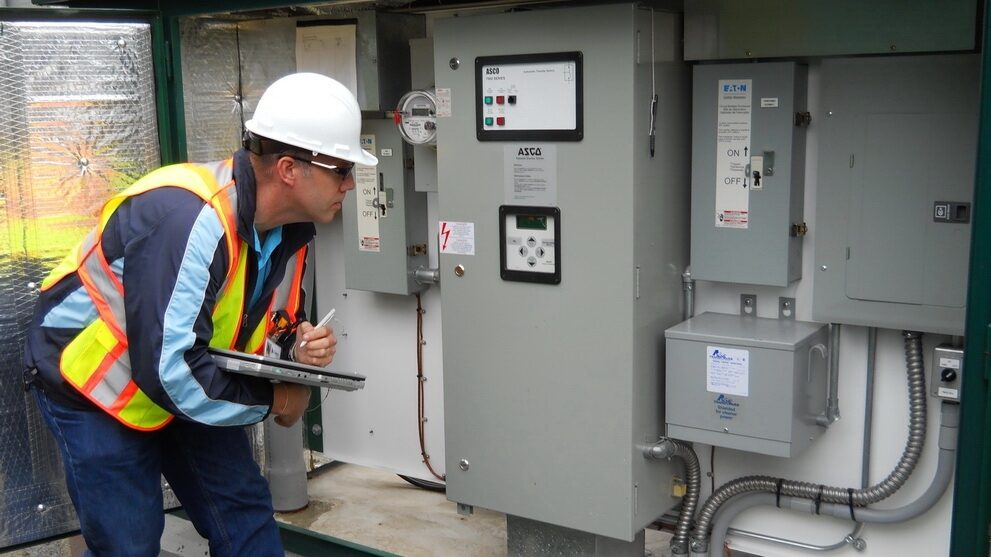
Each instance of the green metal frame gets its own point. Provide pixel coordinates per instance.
(972, 490)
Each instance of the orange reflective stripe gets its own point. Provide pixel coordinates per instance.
(125, 396)
(102, 305)
(295, 295)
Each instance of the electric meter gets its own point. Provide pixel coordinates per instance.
(416, 117)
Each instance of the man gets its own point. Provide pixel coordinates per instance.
(191, 257)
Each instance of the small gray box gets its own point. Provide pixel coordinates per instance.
(402, 236)
(764, 251)
(779, 364)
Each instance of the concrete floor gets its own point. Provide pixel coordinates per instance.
(379, 509)
(370, 507)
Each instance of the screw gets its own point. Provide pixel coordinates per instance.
(464, 464)
(749, 53)
(40, 508)
(824, 268)
(454, 63)
(459, 271)
(371, 432)
(725, 430)
(830, 113)
(316, 429)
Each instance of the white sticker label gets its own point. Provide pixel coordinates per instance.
(530, 174)
(444, 102)
(769, 102)
(950, 393)
(456, 238)
(366, 188)
(949, 363)
(727, 370)
(733, 154)
(386, 152)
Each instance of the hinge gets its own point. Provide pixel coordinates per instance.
(416, 249)
(799, 229)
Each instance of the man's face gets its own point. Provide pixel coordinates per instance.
(325, 183)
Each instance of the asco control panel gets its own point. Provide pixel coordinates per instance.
(530, 243)
(946, 370)
(529, 96)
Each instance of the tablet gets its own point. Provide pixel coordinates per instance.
(285, 371)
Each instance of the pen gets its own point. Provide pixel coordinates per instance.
(326, 319)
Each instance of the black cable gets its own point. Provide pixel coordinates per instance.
(819, 498)
(777, 496)
(712, 469)
(424, 484)
(849, 493)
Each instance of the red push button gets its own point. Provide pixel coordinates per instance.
(500, 121)
(500, 99)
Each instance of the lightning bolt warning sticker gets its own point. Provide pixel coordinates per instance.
(457, 238)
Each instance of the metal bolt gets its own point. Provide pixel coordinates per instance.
(371, 432)
(316, 429)
(455, 63)
(749, 53)
(459, 270)
(464, 464)
(40, 508)
(830, 113)
(823, 268)
(725, 430)
(237, 98)
(121, 43)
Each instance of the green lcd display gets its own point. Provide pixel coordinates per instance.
(531, 222)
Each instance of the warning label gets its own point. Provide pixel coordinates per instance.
(456, 238)
(733, 154)
(366, 188)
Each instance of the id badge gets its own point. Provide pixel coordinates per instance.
(272, 348)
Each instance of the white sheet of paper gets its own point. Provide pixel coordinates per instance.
(330, 50)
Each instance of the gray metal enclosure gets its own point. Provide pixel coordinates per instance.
(544, 405)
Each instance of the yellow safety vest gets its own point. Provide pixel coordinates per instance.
(96, 360)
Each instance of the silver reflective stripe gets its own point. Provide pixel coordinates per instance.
(221, 170)
(106, 286)
(114, 381)
(285, 287)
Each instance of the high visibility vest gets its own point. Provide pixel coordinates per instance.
(96, 360)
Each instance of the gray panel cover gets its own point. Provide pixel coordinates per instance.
(77, 122)
(548, 389)
(764, 252)
(899, 134)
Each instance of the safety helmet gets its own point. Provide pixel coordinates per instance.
(314, 113)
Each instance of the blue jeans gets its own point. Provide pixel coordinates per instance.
(113, 475)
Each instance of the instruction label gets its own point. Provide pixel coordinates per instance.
(366, 188)
(733, 153)
(443, 102)
(727, 371)
(726, 408)
(530, 174)
(456, 238)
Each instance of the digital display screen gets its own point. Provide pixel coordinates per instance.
(531, 222)
(420, 111)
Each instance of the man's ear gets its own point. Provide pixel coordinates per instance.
(287, 170)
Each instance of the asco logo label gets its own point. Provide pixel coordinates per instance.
(726, 408)
(717, 355)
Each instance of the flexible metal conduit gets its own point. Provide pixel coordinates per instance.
(949, 424)
(665, 449)
(915, 371)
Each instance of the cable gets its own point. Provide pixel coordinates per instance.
(420, 380)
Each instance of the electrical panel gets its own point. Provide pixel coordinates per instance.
(895, 180)
(385, 219)
(748, 172)
(546, 233)
(746, 383)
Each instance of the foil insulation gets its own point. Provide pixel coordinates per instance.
(226, 66)
(77, 123)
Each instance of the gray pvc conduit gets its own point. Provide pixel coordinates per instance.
(915, 371)
(949, 424)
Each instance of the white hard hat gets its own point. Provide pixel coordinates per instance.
(312, 112)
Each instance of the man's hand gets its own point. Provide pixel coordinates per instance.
(321, 345)
(289, 401)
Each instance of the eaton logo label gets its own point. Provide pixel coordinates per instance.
(734, 88)
(726, 408)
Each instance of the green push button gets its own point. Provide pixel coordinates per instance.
(488, 100)
(488, 121)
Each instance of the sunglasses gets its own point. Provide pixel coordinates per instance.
(342, 171)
